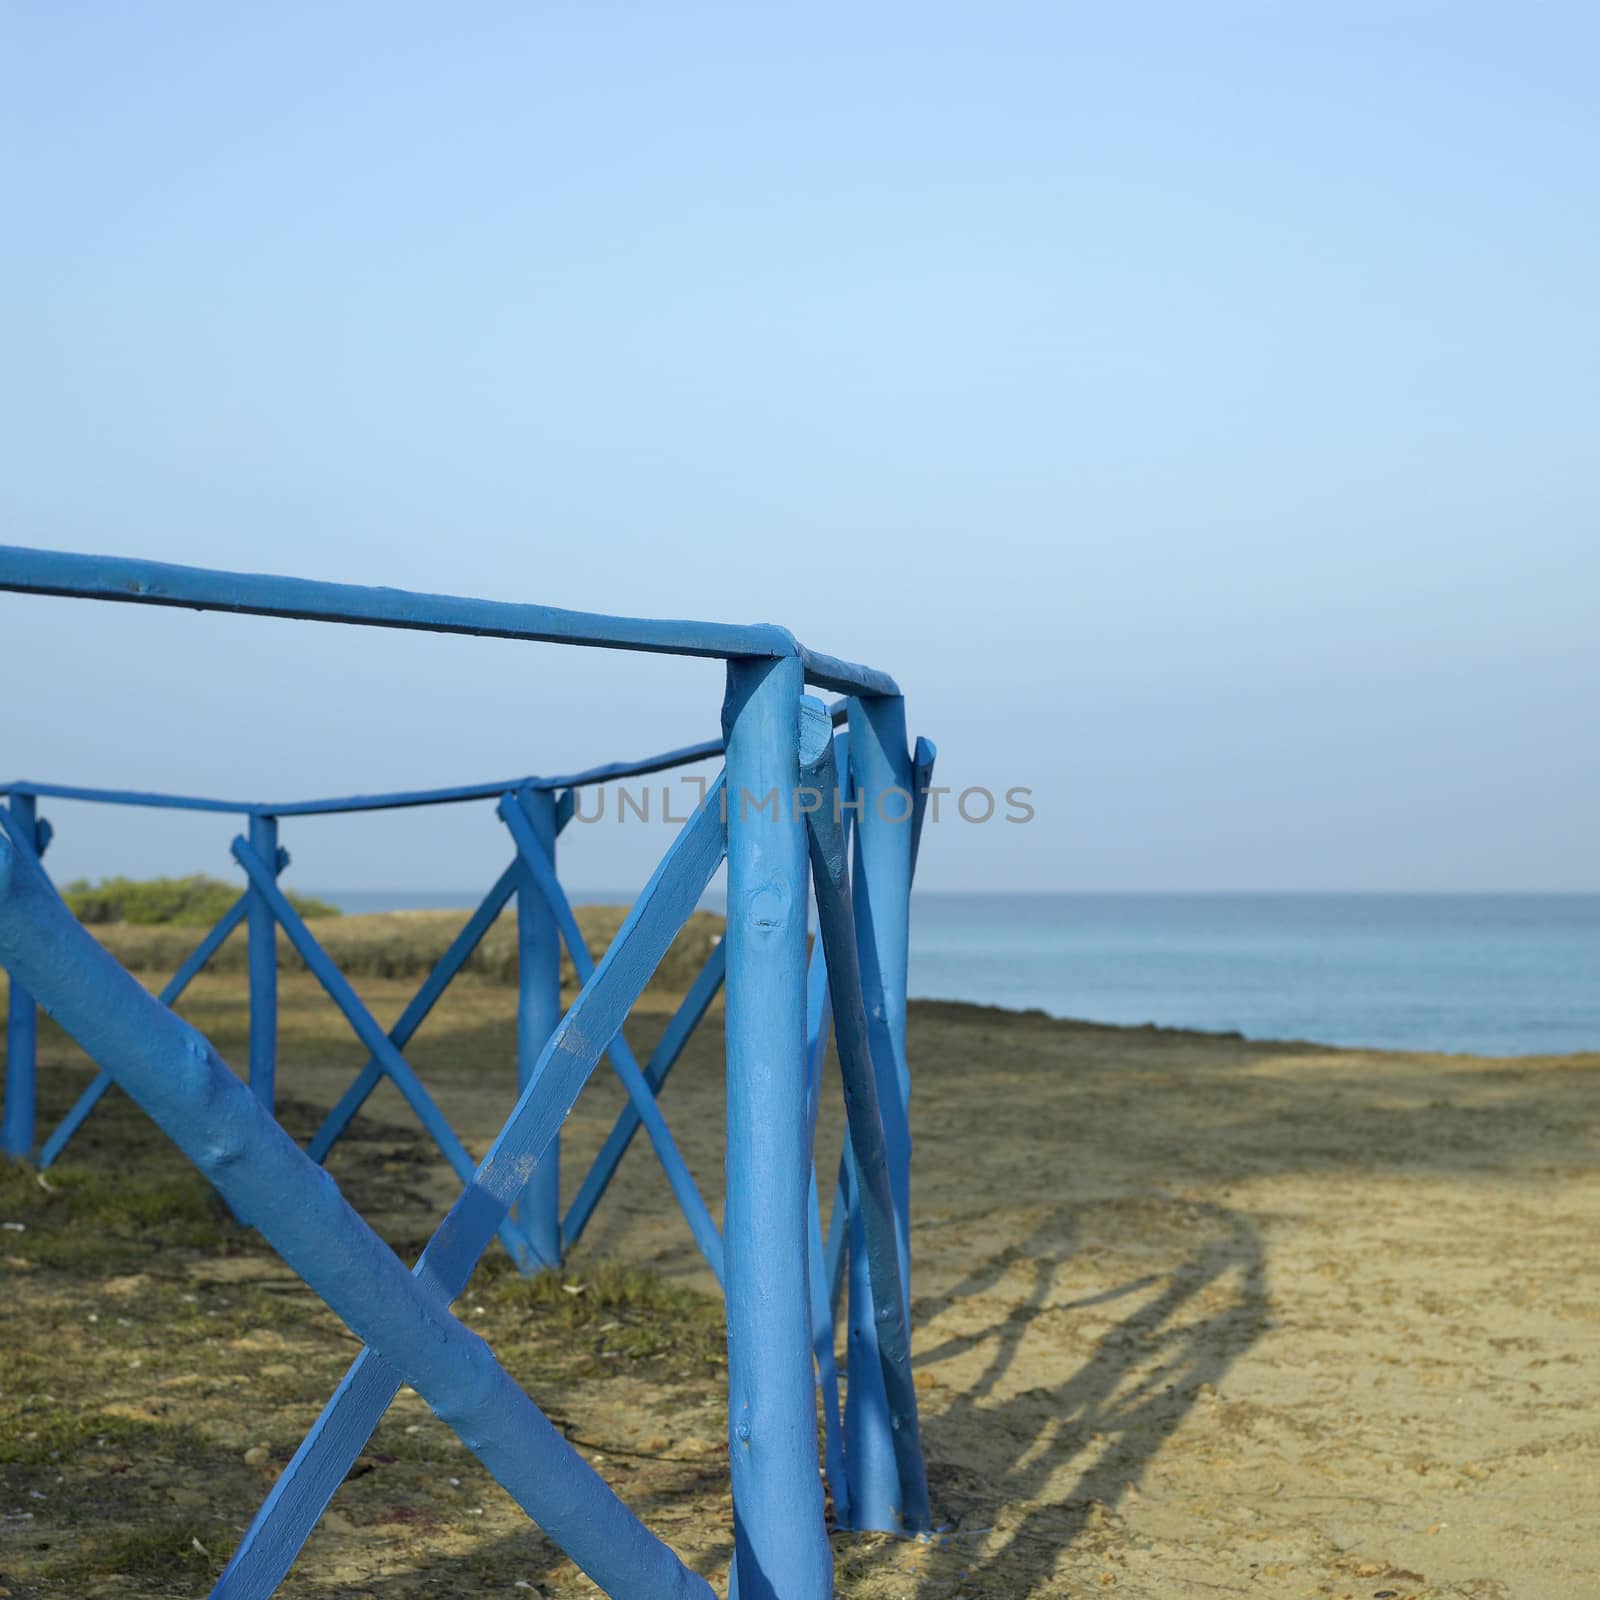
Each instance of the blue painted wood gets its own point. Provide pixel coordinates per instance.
(263, 963)
(538, 1012)
(876, 1498)
(607, 772)
(330, 1449)
(453, 794)
(881, 765)
(690, 1202)
(662, 1060)
(202, 589)
(839, 1230)
(780, 1546)
(415, 1013)
(823, 1327)
(843, 677)
(689, 754)
(817, 1017)
(825, 1261)
(369, 1032)
(822, 1316)
(764, 1379)
(838, 1222)
(881, 891)
(169, 996)
(611, 771)
(280, 1528)
(706, 750)
(22, 1022)
(176, 1077)
(921, 776)
(459, 793)
(396, 801)
(865, 1050)
(127, 797)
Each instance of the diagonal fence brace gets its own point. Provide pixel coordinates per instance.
(855, 1043)
(662, 1060)
(422, 1003)
(169, 996)
(690, 1201)
(822, 1323)
(921, 778)
(415, 1014)
(825, 1262)
(839, 1216)
(370, 1033)
(180, 1081)
(329, 1450)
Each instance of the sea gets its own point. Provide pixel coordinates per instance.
(1490, 974)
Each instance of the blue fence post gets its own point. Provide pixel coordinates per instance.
(22, 1024)
(781, 1548)
(538, 1012)
(881, 763)
(262, 929)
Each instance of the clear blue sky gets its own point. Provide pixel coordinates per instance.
(1195, 406)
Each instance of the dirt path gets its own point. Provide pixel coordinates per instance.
(1193, 1316)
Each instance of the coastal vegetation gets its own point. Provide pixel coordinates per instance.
(196, 901)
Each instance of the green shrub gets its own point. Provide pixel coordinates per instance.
(193, 902)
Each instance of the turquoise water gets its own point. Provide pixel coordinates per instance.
(1507, 974)
(1504, 974)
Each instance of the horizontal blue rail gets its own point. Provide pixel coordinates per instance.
(158, 583)
(611, 772)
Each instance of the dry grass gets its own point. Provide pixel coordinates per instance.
(406, 944)
(158, 1364)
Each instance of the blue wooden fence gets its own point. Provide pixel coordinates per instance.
(801, 811)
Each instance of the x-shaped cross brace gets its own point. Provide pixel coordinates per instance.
(411, 1336)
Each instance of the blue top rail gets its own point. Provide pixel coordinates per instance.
(156, 583)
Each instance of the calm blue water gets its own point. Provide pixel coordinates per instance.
(1493, 974)
(1505, 974)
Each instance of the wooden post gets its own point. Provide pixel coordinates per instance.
(781, 1549)
(865, 1056)
(542, 870)
(22, 1024)
(538, 1012)
(881, 888)
(262, 931)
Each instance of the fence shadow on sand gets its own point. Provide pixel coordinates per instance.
(1070, 1449)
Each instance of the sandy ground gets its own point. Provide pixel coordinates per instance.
(1193, 1316)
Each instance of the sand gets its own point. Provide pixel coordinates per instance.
(1193, 1316)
